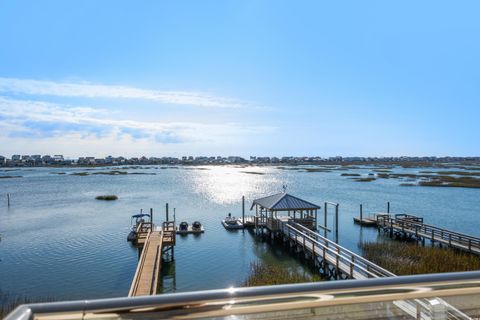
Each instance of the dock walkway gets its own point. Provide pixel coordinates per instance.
(339, 262)
(413, 227)
(156, 243)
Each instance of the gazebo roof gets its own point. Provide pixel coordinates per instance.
(284, 201)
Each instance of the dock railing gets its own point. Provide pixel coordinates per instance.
(434, 233)
(349, 262)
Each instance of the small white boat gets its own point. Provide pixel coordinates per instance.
(232, 223)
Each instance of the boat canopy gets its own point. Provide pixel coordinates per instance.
(141, 215)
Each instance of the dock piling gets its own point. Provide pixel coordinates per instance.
(243, 210)
(151, 216)
(388, 207)
(361, 215)
(166, 212)
(8, 200)
(336, 222)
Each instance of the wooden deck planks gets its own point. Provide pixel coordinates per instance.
(145, 280)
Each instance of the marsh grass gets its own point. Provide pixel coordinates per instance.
(263, 274)
(350, 175)
(368, 179)
(107, 197)
(253, 172)
(111, 173)
(80, 174)
(317, 170)
(10, 177)
(403, 258)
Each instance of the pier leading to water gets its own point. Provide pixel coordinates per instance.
(158, 244)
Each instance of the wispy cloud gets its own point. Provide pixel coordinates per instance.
(88, 90)
(35, 119)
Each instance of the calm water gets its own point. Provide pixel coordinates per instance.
(58, 241)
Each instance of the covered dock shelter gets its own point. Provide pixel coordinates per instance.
(283, 207)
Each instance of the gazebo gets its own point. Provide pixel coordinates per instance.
(268, 211)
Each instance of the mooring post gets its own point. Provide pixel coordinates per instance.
(8, 199)
(388, 207)
(174, 215)
(243, 210)
(336, 223)
(166, 211)
(361, 215)
(325, 219)
(151, 218)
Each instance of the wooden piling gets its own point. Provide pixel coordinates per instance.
(388, 207)
(243, 210)
(8, 200)
(151, 217)
(361, 215)
(166, 212)
(336, 223)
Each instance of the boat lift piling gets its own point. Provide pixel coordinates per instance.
(8, 200)
(243, 210)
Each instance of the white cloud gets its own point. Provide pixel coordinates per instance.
(88, 90)
(24, 119)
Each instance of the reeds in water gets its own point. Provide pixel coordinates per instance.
(263, 274)
(404, 258)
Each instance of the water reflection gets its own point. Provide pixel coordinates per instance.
(226, 185)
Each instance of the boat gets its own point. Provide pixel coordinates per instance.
(197, 226)
(232, 223)
(183, 227)
(139, 219)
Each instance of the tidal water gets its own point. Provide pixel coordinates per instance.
(57, 241)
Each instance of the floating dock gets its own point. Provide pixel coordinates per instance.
(157, 243)
(405, 225)
(190, 230)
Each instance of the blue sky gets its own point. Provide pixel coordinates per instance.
(366, 78)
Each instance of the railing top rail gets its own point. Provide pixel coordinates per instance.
(425, 225)
(435, 282)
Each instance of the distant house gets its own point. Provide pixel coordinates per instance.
(2, 160)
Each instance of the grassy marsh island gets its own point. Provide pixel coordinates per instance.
(253, 172)
(404, 258)
(366, 179)
(350, 175)
(10, 177)
(107, 197)
(263, 274)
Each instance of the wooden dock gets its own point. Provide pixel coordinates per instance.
(157, 242)
(338, 262)
(410, 226)
(334, 260)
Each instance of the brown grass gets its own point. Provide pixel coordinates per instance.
(404, 258)
(263, 274)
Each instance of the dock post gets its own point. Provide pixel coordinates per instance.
(243, 210)
(151, 218)
(361, 215)
(388, 207)
(325, 220)
(174, 214)
(166, 210)
(336, 223)
(8, 200)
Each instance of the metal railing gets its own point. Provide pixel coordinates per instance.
(374, 298)
(344, 260)
(419, 229)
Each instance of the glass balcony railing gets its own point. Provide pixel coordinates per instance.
(435, 296)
